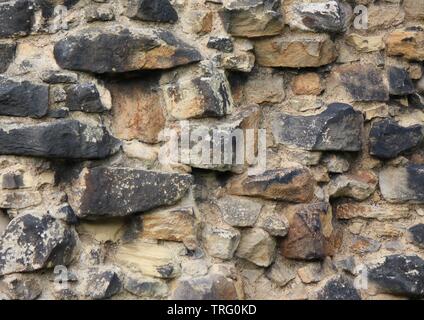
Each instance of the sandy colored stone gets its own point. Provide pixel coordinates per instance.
(221, 242)
(407, 44)
(257, 246)
(381, 212)
(364, 43)
(307, 84)
(414, 8)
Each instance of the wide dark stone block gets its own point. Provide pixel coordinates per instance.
(338, 128)
(148, 10)
(417, 234)
(16, 18)
(400, 84)
(7, 55)
(68, 139)
(117, 50)
(115, 192)
(388, 139)
(23, 99)
(339, 288)
(399, 275)
(84, 97)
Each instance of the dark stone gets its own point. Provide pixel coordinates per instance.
(400, 84)
(399, 275)
(23, 99)
(416, 101)
(90, 50)
(338, 128)
(113, 192)
(417, 234)
(7, 55)
(148, 10)
(340, 288)
(388, 139)
(58, 76)
(102, 283)
(12, 181)
(67, 139)
(58, 113)
(223, 44)
(67, 214)
(33, 242)
(84, 97)
(16, 18)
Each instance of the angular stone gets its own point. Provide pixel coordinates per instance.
(254, 18)
(221, 243)
(282, 271)
(311, 273)
(359, 186)
(400, 84)
(16, 18)
(7, 55)
(363, 245)
(307, 84)
(417, 234)
(388, 139)
(275, 224)
(20, 199)
(173, 225)
(101, 13)
(406, 43)
(403, 184)
(116, 192)
(223, 44)
(239, 211)
(257, 246)
(146, 287)
(399, 275)
(336, 163)
(137, 110)
(150, 259)
(382, 16)
(136, 49)
(360, 82)
(58, 76)
(310, 232)
(33, 242)
(414, 9)
(330, 16)
(20, 287)
(201, 21)
(379, 212)
(102, 283)
(197, 92)
(84, 97)
(295, 51)
(239, 61)
(23, 99)
(338, 128)
(339, 288)
(69, 139)
(289, 184)
(365, 44)
(147, 10)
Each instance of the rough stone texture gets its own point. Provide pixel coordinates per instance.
(114, 192)
(221, 243)
(340, 288)
(145, 287)
(16, 18)
(84, 97)
(7, 55)
(239, 211)
(341, 124)
(257, 246)
(89, 51)
(359, 186)
(68, 139)
(158, 11)
(388, 139)
(307, 84)
(417, 234)
(19, 287)
(400, 84)
(407, 44)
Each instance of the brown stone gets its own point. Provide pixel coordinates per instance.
(380, 212)
(137, 110)
(295, 51)
(289, 184)
(307, 84)
(407, 44)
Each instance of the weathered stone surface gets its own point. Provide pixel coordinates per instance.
(23, 98)
(146, 287)
(150, 259)
(403, 184)
(239, 211)
(19, 287)
(276, 224)
(238, 61)
(338, 128)
(406, 43)
(309, 234)
(360, 82)
(400, 84)
(380, 212)
(147, 10)
(298, 51)
(173, 225)
(58, 76)
(414, 9)
(11, 199)
(365, 44)
(7, 54)
(289, 184)
(311, 273)
(257, 246)
(399, 275)
(417, 234)
(102, 283)
(363, 245)
(33, 242)
(388, 139)
(224, 44)
(100, 13)
(282, 271)
(197, 92)
(16, 18)
(68, 139)
(339, 288)
(307, 84)
(330, 16)
(84, 97)
(137, 110)
(336, 163)
(221, 243)
(136, 49)
(254, 18)
(114, 192)
(359, 186)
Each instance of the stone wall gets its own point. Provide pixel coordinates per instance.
(89, 209)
